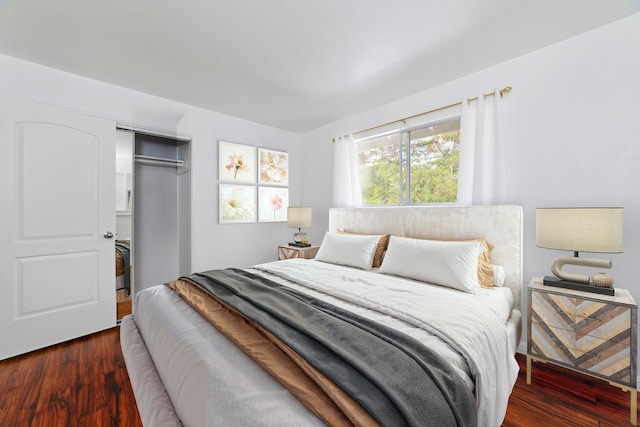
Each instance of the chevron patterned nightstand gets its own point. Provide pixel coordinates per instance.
(287, 252)
(590, 333)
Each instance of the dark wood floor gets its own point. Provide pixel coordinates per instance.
(123, 304)
(84, 383)
(559, 397)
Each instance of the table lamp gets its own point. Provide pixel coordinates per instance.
(299, 217)
(597, 230)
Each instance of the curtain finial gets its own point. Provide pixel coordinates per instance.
(505, 90)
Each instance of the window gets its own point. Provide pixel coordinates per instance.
(415, 165)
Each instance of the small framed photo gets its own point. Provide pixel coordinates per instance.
(273, 167)
(272, 204)
(237, 203)
(236, 162)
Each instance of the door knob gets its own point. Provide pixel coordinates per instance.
(108, 235)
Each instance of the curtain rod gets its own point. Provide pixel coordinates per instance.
(502, 92)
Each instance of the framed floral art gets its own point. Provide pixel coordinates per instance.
(237, 203)
(237, 162)
(272, 204)
(273, 167)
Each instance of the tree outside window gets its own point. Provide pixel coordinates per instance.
(430, 170)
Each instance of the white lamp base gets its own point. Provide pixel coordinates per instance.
(300, 236)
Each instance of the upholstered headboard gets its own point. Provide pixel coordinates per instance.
(499, 225)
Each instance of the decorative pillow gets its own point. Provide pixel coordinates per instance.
(382, 245)
(450, 264)
(349, 250)
(485, 267)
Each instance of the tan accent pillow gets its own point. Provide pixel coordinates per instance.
(485, 267)
(382, 246)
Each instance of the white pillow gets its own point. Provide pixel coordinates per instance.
(444, 263)
(346, 249)
(499, 276)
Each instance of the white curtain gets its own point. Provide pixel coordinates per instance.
(482, 178)
(346, 173)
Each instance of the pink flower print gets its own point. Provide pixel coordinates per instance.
(275, 203)
(237, 163)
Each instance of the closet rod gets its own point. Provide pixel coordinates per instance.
(159, 161)
(501, 92)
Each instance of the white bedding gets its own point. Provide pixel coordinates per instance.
(469, 330)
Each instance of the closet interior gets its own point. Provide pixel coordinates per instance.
(153, 199)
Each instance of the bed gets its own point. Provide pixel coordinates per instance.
(185, 371)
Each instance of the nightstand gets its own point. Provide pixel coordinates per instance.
(286, 252)
(589, 333)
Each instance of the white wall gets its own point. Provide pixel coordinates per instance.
(232, 245)
(213, 245)
(572, 124)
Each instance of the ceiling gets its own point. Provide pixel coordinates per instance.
(292, 64)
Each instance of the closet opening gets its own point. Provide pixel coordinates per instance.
(155, 222)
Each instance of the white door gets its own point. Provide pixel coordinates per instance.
(57, 274)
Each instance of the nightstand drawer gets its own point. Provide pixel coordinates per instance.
(588, 329)
(611, 361)
(582, 316)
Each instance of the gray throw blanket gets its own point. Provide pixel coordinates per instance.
(394, 377)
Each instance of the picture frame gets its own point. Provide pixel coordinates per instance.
(237, 203)
(236, 162)
(273, 167)
(272, 204)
